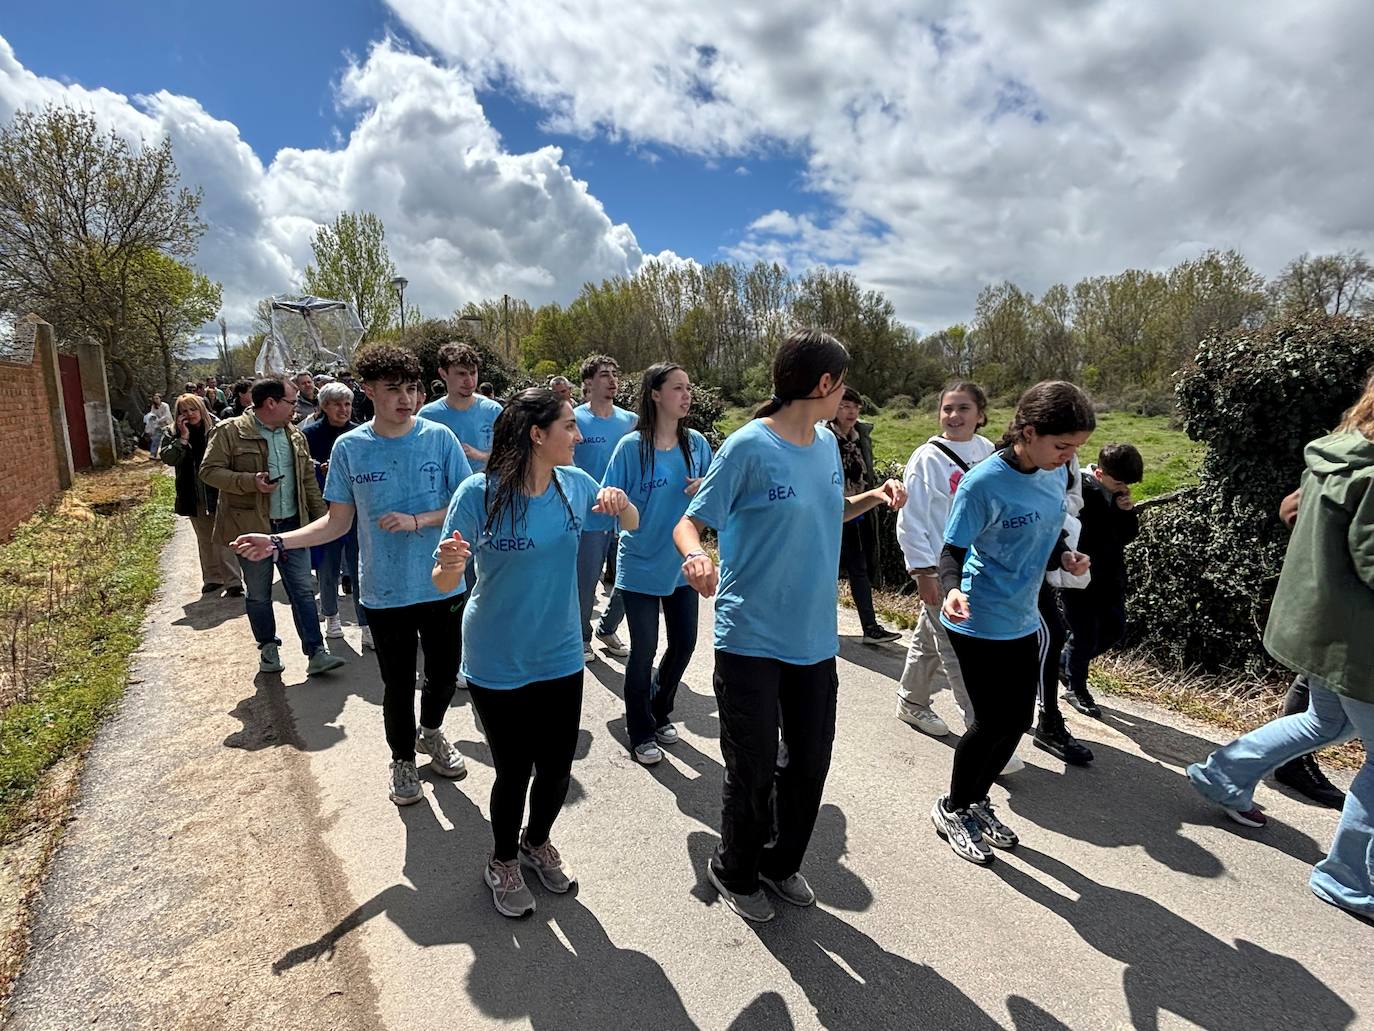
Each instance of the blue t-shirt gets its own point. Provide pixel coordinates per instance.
(779, 510)
(412, 474)
(522, 622)
(1009, 521)
(647, 562)
(471, 427)
(593, 455)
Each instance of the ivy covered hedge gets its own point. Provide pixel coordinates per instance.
(1205, 566)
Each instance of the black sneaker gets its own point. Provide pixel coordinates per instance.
(210, 588)
(234, 591)
(1062, 745)
(1083, 701)
(880, 635)
(1305, 777)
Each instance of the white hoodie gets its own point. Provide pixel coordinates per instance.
(930, 479)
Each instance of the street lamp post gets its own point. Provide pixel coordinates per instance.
(399, 284)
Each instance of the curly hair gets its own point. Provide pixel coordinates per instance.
(457, 352)
(380, 361)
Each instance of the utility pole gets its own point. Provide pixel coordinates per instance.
(224, 370)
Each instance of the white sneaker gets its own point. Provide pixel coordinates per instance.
(367, 639)
(333, 626)
(613, 645)
(922, 719)
(648, 753)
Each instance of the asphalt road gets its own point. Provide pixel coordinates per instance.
(236, 862)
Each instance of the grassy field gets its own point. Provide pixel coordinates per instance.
(1171, 459)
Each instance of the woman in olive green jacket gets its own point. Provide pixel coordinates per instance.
(1321, 624)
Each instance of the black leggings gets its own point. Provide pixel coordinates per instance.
(649, 704)
(1001, 678)
(530, 728)
(858, 560)
(1051, 645)
(437, 626)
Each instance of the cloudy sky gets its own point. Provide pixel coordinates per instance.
(524, 147)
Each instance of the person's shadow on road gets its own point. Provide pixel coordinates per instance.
(1175, 966)
(555, 969)
(691, 710)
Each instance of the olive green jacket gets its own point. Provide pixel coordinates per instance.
(1322, 619)
(236, 453)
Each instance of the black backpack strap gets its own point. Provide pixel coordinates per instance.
(950, 454)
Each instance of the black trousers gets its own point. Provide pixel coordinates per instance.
(1001, 678)
(437, 627)
(1051, 646)
(858, 556)
(758, 697)
(531, 729)
(649, 700)
(1298, 696)
(1097, 620)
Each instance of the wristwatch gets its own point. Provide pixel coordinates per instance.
(278, 544)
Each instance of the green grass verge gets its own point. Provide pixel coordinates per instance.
(1171, 459)
(79, 588)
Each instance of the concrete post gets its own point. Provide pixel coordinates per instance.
(45, 353)
(96, 393)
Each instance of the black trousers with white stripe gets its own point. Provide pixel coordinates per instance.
(1051, 636)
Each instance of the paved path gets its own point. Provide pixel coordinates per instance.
(236, 862)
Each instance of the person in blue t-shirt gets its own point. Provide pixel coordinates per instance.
(396, 473)
(1005, 529)
(520, 521)
(660, 466)
(467, 413)
(775, 494)
(601, 425)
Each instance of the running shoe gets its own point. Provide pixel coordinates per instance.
(962, 830)
(210, 588)
(754, 906)
(613, 645)
(995, 832)
(1062, 745)
(1082, 700)
(667, 734)
(333, 626)
(880, 635)
(234, 591)
(322, 662)
(923, 719)
(508, 891)
(405, 783)
(1252, 817)
(367, 639)
(792, 889)
(587, 654)
(548, 865)
(269, 660)
(648, 753)
(444, 759)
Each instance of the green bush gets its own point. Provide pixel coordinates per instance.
(1205, 566)
(427, 337)
(900, 403)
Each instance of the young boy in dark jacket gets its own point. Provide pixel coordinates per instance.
(1097, 614)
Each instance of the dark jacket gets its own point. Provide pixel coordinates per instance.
(193, 497)
(1105, 532)
(320, 435)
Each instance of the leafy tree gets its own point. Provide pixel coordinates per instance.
(1338, 284)
(172, 301)
(352, 264)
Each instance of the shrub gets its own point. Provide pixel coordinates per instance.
(427, 337)
(900, 403)
(1205, 566)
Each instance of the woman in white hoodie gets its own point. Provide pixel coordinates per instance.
(932, 474)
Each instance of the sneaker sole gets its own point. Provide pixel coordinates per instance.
(944, 836)
(772, 886)
(1244, 821)
(403, 800)
(447, 772)
(270, 669)
(729, 902)
(876, 642)
(667, 740)
(539, 872)
(931, 732)
(1062, 757)
(647, 762)
(514, 914)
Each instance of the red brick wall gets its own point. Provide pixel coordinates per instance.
(28, 466)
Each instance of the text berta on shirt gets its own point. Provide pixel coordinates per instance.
(1016, 522)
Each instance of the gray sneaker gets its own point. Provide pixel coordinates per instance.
(648, 753)
(322, 662)
(445, 760)
(508, 891)
(962, 830)
(269, 660)
(995, 832)
(548, 865)
(792, 889)
(923, 719)
(755, 907)
(667, 734)
(405, 783)
(613, 644)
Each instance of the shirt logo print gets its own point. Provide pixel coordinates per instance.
(433, 469)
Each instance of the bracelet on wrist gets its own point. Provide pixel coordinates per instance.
(694, 554)
(278, 545)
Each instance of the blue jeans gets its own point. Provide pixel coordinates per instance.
(295, 577)
(1228, 777)
(336, 558)
(154, 443)
(592, 550)
(649, 699)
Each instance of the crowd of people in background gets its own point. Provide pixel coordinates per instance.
(453, 520)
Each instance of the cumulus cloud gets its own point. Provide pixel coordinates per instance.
(961, 143)
(465, 218)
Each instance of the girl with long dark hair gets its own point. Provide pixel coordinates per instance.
(659, 465)
(775, 494)
(1005, 530)
(521, 520)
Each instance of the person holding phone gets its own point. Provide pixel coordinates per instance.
(1005, 530)
(194, 499)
